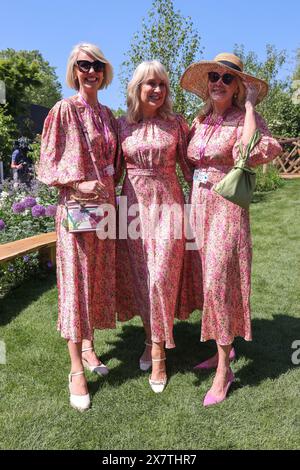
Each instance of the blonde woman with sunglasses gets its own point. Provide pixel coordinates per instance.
(85, 262)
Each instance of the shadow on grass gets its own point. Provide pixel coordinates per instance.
(20, 297)
(128, 345)
(268, 356)
(270, 353)
(260, 197)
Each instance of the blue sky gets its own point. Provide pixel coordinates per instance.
(53, 28)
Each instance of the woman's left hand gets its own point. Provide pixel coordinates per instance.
(251, 93)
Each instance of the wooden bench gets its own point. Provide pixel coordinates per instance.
(45, 244)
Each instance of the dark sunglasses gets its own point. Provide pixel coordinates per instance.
(214, 77)
(85, 65)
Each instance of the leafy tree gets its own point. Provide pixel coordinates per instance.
(296, 75)
(18, 75)
(169, 37)
(296, 81)
(35, 148)
(281, 114)
(118, 112)
(48, 91)
(8, 132)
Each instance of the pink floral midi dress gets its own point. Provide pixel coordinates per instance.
(222, 228)
(150, 268)
(85, 263)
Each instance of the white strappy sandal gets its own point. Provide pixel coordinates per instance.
(100, 369)
(158, 386)
(79, 402)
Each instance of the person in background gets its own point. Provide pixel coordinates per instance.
(21, 164)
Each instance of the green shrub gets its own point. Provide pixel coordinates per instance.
(35, 149)
(8, 132)
(18, 222)
(268, 181)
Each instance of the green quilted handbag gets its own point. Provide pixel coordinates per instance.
(239, 184)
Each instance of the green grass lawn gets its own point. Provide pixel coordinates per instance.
(261, 412)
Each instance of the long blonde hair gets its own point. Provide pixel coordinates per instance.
(143, 70)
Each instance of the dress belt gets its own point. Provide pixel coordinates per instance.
(159, 171)
(213, 169)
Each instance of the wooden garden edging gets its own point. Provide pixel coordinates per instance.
(288, 162)
(45, 244)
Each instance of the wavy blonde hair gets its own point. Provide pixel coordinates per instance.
(95, 53)
(143, 70)
(238, 101)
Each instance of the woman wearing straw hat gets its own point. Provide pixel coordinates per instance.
(227, 119)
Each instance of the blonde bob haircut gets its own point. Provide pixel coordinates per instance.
(238, 100)
(95, 53)
(141, 73)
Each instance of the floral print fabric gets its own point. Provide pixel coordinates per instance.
(85, 263)
(149, 270)
(222, 228)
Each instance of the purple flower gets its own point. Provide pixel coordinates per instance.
(38, 211)
(18, 207)
(49, 264)
(29, 201)
(26, 258)
(2, 225)
(50, 211)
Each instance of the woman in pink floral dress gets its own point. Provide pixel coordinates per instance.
(85, 263)
(150, 256)
(221, 227)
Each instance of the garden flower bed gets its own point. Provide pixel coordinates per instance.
(24, 212)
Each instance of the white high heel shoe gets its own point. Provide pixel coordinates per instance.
(79, 402)
(158, 386)
(101, 369)
(145, 365)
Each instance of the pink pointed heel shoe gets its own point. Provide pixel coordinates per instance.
(210, 399)
(212, 362)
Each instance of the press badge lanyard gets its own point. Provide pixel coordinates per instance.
(99, 124)
(207, 131)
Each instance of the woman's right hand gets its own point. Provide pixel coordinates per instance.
(252, 92)
(93, 187)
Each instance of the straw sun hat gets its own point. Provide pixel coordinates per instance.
(195, 78)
